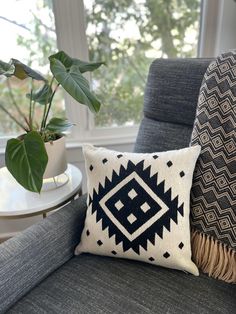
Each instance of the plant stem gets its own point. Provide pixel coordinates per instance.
(50, 104)
(13, 118)
(30, 108)
(33, 111)
(45, 107)
(14, 102)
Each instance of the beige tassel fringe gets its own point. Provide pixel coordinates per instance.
(213, 257)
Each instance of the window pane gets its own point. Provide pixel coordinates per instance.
(27, 31)
(128, 35)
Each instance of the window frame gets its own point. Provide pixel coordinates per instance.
(69, 18)
(70, 25)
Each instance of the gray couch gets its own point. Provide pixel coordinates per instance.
(38, 271)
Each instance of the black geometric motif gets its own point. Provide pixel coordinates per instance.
(166, 255)
(91, 168)
(113, 252)
(99, 242)
(169, 163)
(87, 233)
(155, 156)
(151, 259)
(133, 207)
(181, 245)
(182, 174)
(119, 156)
(104, 160)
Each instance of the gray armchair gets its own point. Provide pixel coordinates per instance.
(40, 274)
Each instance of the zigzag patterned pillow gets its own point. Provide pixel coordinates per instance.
(138, 206)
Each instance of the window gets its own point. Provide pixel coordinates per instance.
(126, 34)
(30, 38)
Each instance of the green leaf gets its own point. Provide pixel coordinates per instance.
(87, 66)
(42, 95)
(58, 125)
(67, 61)
(22, 71)
(6, 69)
(75, 84)
(26, 159)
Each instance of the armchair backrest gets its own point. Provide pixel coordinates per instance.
(170, 101)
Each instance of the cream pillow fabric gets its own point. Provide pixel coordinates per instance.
(138, 206)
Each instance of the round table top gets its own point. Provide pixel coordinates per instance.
(16, 201)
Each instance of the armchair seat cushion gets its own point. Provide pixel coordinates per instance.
(94, 284)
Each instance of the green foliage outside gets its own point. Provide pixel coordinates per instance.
(161, 28)
(162, 24)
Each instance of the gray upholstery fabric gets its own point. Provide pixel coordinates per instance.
(92, 284)
(158, 136)
(27, 259)
(172, 89)
(170, 104)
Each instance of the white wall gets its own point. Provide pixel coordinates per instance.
(226, 32)
(218, 25)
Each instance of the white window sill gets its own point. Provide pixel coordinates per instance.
(100, 141)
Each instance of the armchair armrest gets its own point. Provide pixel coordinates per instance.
(28, 258)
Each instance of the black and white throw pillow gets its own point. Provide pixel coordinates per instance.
(138, 206)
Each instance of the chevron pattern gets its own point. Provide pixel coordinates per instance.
(213, 195)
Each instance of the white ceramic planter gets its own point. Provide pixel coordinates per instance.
(57, 163)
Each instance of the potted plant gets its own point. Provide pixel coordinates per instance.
(39, 152)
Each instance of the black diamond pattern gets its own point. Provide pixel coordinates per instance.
(166, 255)
(181, 245)
(104, 160)
(91, 168)
(113, 252)
(182, 174)
(151, 259)
(133, 208)
(99, 242)
(87, 232)
(130, 216)
(169, 163)
(155, 156)
(119, 156)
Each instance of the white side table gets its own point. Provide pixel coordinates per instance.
(16, 202)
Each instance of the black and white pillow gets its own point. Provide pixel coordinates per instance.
(138, 206)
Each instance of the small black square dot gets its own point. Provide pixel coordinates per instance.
(87, 233)
(104, 160)
(155, 156)
(91, 168)
(151, 259)
(181, 245)
(169, 163)
(182, 174)
(119, 156)
(99, 242)
(166, 255)
(113, 252)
